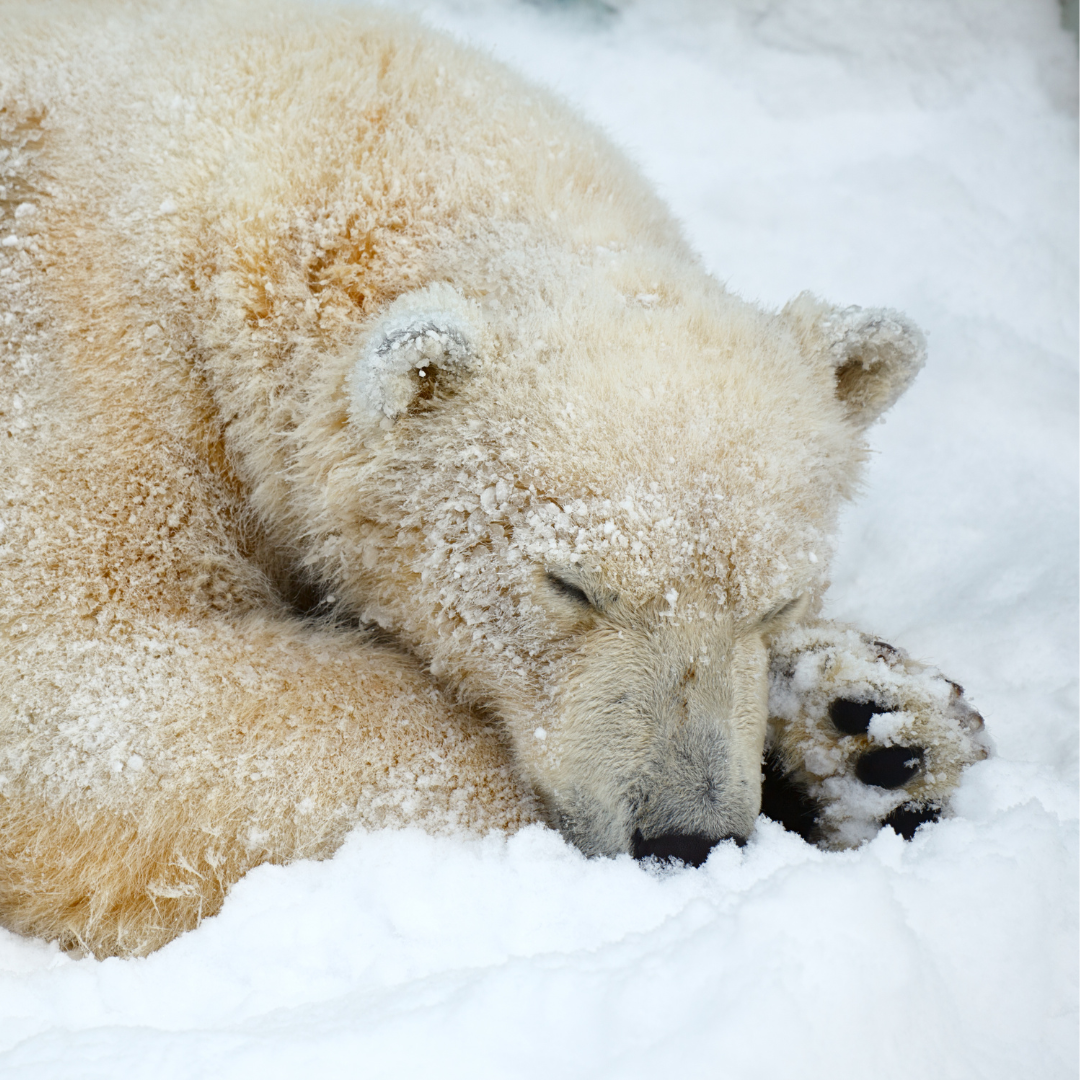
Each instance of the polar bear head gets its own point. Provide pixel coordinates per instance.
(590, 524)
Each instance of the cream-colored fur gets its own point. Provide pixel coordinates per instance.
(322, 299)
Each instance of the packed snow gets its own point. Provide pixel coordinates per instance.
(917, 154)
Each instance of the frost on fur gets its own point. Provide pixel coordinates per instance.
(270, 413)
(867, 734)
(424, 331)
(874, 352)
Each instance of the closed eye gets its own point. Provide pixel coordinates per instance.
(571, 592)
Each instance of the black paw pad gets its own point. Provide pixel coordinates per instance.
(786, 802)
(905, 819)
(890, 766)
(853, 717)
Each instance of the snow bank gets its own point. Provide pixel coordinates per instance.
(919, 154)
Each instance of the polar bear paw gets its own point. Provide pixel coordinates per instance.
(861, 736)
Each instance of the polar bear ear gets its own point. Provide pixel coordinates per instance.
(872, 353)
(427, 337)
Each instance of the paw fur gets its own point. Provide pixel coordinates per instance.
(864, 734)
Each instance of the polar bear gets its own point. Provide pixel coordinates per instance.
(377, 451)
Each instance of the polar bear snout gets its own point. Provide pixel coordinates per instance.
(696, 794)
(657, 751)
(695, 790)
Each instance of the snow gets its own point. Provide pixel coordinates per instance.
(916, 154)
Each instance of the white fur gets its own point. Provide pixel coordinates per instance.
(256, 226)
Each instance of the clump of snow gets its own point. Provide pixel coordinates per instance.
(917, 154)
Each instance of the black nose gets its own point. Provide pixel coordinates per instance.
(690, 848)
